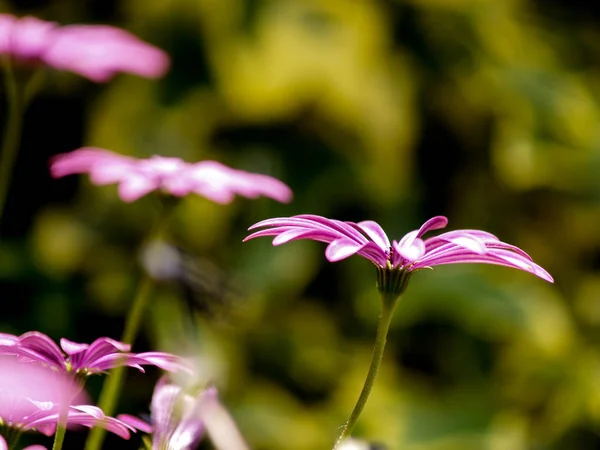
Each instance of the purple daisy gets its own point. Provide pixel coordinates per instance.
(31, 397)
(97, 52)
(138, 177)
(84, 359)
(174, 416)
(397, 260)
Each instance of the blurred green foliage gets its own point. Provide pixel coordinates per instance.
(482, 110)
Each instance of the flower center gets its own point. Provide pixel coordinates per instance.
(390, 258)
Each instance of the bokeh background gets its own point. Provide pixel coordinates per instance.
(485, 111)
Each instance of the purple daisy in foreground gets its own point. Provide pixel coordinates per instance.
(84, 359)
(31, 397)
(138, 177)
(396, 260)
(97, 52)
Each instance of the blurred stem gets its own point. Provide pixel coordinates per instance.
(12, 131)
(114, 383)
(388, 305)
(59, 437)
(61, 427)
(12, 436)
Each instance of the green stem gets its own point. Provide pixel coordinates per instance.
(12, 132)
(12, 436)
(61, 428)
(59, 437)
(115, 381)
(387, 312)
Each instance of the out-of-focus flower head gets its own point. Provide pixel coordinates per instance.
(138, 177)
(180, 420)
(97, 52)
(397, 260)
(175, 422)
(84, 359)
(31, 398)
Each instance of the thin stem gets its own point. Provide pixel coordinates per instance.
(12, 436)
(115, 381)
(387, 312)
(59, 437)
(12, 131)
(61, 427)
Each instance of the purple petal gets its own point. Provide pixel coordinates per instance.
(326, 230)
(106, 167)
(135, 422)
(98, 52)
(341, 249)
(467, 242)
(410, 252)
(44, 347)
(163, 402)
(435, 223)
(97, 350)
(466, 257)
(8, 339)
(70, 347)
(303, 233)
(343, 228)
(110, 361)
(220, 426)
(86, 415)
(374, 253)
(135, 187)
(375, 232)
(220, 183)
(26, 38)
(164, 361)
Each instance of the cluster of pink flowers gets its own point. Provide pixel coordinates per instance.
(37, 377)
(41, 382)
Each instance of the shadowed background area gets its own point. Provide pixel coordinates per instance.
(484, 111)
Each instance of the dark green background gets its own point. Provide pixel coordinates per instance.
(485, 111)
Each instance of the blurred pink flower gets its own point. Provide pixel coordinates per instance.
(97, 52)
(180, 420)
(84, 359)
(396, 260)
(138, 177)
(31, 397)
(175, 422)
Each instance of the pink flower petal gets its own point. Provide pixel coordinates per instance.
(375, 232)
(135, 422)
(99, 52)
(341, 249)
